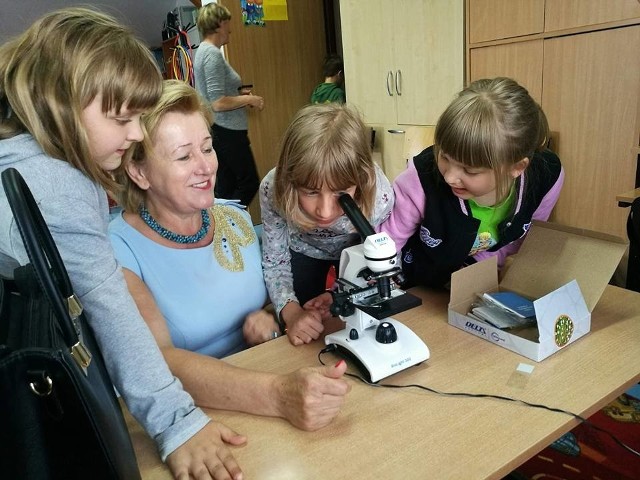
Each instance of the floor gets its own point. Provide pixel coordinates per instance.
(588, 453)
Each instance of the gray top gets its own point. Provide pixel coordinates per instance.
(278, 237)
(215, 78)
(77, 213)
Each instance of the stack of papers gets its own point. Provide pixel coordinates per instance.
(512, 302)
(504, 310)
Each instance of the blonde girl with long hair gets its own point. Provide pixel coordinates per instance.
(325, 152)
(73, 88)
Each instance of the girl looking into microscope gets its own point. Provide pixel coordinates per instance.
(475, 192)
(325, 152)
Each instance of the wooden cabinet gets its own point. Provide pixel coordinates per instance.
(497, 19)
(521, 61)
(564, 14)
(403, 62)
(494, 20)
(591, 99)
(583, 69)
(368, 59)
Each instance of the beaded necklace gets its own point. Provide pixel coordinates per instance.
(176, 237)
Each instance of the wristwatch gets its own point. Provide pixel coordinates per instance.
(281, 324)
(279, 320)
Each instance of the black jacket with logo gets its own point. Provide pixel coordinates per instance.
(448, 230)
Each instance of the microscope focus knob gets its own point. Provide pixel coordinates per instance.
(341, 306)
(386, 333)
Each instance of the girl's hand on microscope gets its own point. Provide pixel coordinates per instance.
(303, 326)
(321, 303)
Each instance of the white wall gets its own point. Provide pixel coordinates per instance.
(144, 16)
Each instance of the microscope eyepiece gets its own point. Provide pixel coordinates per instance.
(354, 214)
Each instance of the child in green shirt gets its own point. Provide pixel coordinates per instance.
(331, 90)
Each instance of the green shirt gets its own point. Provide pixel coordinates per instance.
(326, 93)
(490, 218)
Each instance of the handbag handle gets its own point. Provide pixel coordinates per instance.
(46, 261)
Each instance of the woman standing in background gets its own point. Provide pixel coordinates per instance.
(221, 85)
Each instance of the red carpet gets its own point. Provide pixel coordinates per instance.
(588, 453)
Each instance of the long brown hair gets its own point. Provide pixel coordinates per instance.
(54, 70)
(324, 143)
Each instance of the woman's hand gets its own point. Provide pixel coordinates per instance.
(259, 327)
(205, 455)
(303, 325)
(255, 101)
(310, 398)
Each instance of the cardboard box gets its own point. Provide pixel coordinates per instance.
(563, 269)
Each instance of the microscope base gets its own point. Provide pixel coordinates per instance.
(379, 360)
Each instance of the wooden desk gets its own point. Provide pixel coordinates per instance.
(627, 198)
(413, 434)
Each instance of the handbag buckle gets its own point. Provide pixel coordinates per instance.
(74, 306)
(81, 355)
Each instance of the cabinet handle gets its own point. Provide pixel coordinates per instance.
(389, 79)
(395, 131)
(399, 82)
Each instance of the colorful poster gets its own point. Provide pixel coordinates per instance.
(252, 12)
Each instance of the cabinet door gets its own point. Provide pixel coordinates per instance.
(561, 14)
(498, 19)
(591, 96)
(402, 65)
(428, 49)
(368, 58)
(521, 61)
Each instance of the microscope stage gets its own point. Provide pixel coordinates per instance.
(399, 302)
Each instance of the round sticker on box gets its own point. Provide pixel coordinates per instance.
(563, 330)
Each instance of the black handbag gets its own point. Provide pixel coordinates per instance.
(59, 415)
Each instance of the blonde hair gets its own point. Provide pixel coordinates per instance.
(55, 69)
(493, 123)
(210, 17)
(324, 144)
(177, 96)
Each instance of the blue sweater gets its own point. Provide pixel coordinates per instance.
(204, 293)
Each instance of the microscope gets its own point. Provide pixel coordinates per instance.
(365, 298)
